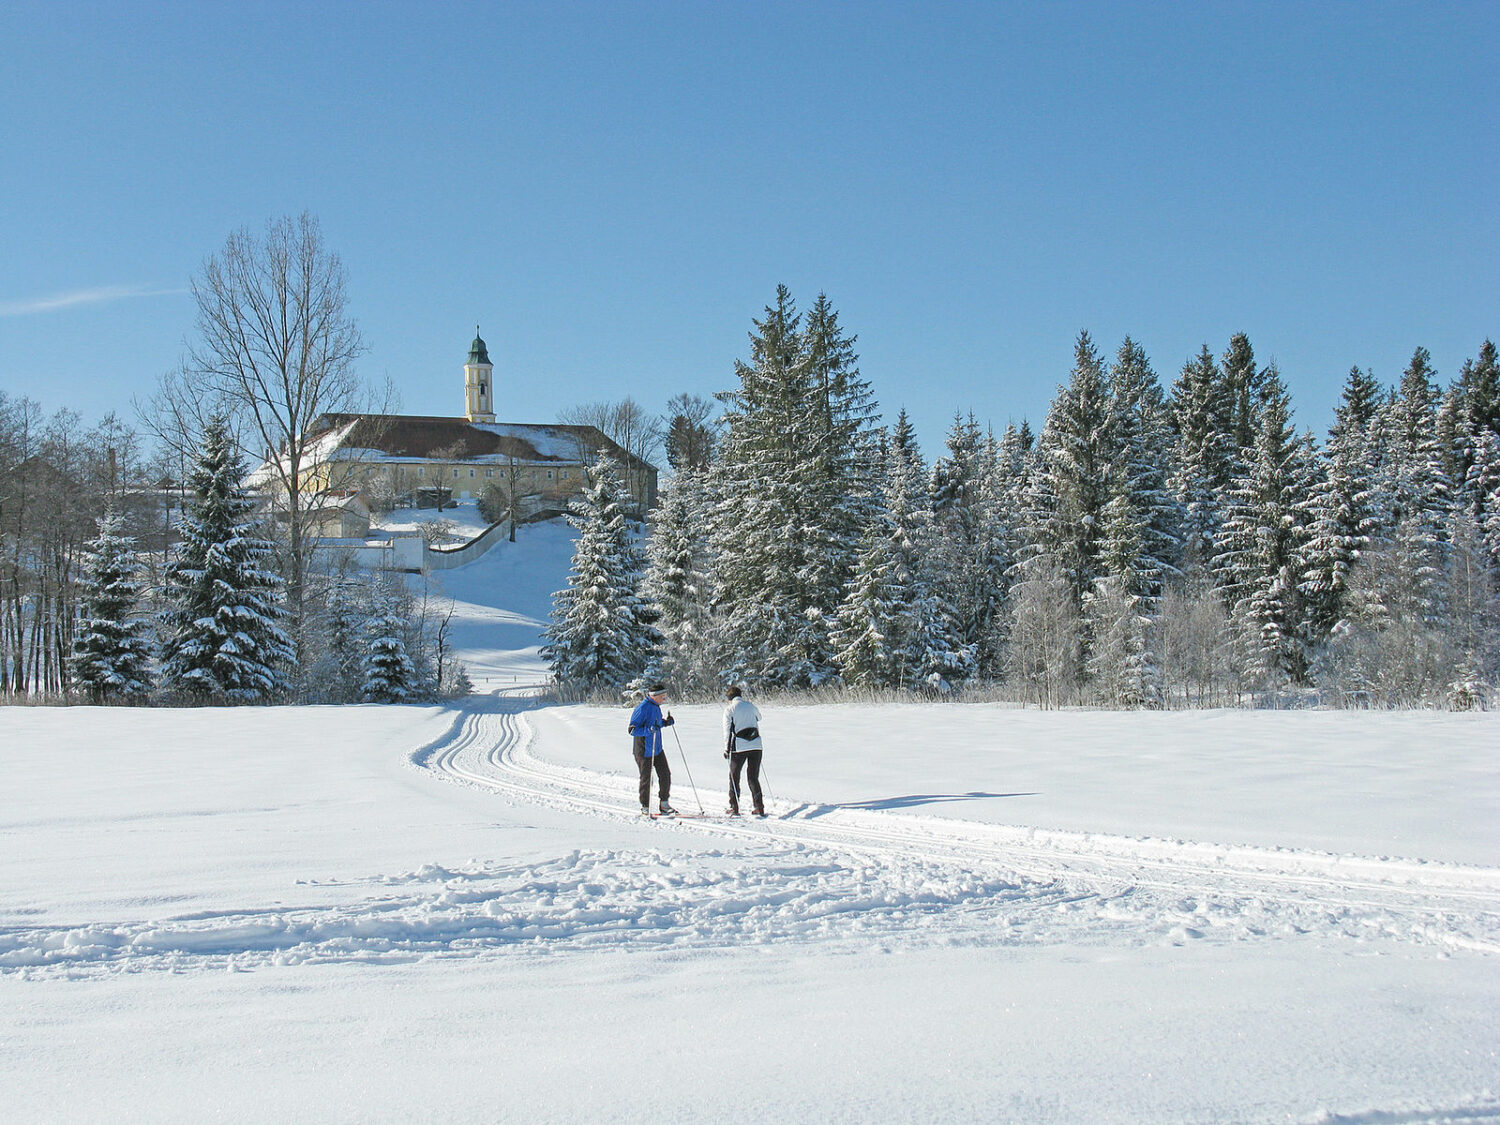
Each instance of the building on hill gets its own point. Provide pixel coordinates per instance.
(418, 461)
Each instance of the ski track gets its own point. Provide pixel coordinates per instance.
(851, 880)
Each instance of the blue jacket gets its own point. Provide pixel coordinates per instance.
(646, 722)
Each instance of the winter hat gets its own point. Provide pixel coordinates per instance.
(657, 689)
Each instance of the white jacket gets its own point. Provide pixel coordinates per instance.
(741, 714)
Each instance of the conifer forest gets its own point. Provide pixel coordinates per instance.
(1149, 545)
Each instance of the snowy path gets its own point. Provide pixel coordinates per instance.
(299, 911)
(847, 879)
(1117, 886)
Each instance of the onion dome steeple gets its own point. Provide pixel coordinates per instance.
(478, 353)
(479, 383)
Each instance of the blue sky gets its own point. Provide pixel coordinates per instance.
(613, 191)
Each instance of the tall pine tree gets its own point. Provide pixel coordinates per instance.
(677, 583)
(1342, 509)
(1260, 546)
(223, 637)
(794, 496)
(600, 638)
(111, 644)
(1205, 459)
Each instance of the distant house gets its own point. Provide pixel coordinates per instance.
(427, 461)
(341, 514)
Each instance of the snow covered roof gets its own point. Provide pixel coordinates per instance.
(323, 448)
(374, 437)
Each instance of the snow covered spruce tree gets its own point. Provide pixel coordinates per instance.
(1043, 630)
(1484, 485)
(1205, 457)
(1097, 512)
(1141, 541)
(389, 673)
(1391, 642)
(1261, 542)
(340, 670)
(676, 583)
(600, 638)
(1245, 391)
(111, 643)
(971, 559)
(793, 481)
(866, 630)
(1015, 464)
(222, 634)
(895, 628)
(1138, 540)
(1342, 505)
(1473, 404)
(1076, 457)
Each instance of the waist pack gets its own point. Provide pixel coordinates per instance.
(748, 734)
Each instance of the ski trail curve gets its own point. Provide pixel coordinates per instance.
(1450, 905)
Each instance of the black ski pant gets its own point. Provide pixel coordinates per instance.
(738, 760)
(645, 765)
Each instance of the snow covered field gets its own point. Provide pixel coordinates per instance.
(955, 913)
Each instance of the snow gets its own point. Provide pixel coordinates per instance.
(452, 914)
(462, 515)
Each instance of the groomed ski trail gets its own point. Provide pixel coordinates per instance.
(1269, 889)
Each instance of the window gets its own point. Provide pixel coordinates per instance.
(455, 474)
(489, 472)
(421, 470)
(567, 474)
(549, 474)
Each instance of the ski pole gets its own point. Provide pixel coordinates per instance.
(765, 797)
(689, 769)
(765, 782)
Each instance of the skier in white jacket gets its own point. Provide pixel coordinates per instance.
(742, 746)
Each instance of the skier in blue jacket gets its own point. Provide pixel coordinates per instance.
(646, 722)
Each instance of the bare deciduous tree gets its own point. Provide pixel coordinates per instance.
(689, 433)
(1045, 635)
(275, 340)
(626, 424)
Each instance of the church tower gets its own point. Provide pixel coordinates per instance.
(479, 387)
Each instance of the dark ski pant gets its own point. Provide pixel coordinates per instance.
(738, 760)
(645, 765)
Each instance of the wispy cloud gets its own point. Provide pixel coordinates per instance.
(100, 296)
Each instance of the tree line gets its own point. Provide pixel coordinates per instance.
(125, 578)
(1149, 547)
